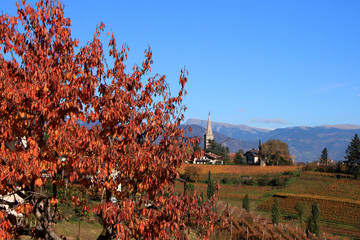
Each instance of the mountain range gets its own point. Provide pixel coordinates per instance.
(305, 143)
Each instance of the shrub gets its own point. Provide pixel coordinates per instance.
(249, 181)
(263, 181)
(278, 182)
(225, 180)
(192, 173)
(190, 188)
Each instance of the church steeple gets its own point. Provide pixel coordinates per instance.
(208, 134)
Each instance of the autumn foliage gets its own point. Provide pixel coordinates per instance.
(49, 86)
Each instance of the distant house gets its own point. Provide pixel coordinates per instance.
(252, 157)
(201, 157)
(213, 158)
(329, 162)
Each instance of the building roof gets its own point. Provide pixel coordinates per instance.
(213, 155)
(232, 156)
(252, 152)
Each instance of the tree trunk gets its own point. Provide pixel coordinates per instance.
(106, 234)
(46, 227)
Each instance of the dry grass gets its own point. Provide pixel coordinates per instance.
(88, 230)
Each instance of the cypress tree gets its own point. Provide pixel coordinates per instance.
(275, 212)
(314, 219)
(324, 156)
(353, 150)
(210, 187)
(246, 203)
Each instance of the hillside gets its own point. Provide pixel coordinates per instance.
(241, 132)
(305, 142)
(233, 144)
(338, 199)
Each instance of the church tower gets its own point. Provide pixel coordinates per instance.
(208, 134)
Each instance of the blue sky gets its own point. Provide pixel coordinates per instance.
(269, 64)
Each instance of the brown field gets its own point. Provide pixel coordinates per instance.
(332, 209)
(325, 185)
(244, 170)
(339, 201)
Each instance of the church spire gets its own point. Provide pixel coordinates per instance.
(208, 129)
(208, 134)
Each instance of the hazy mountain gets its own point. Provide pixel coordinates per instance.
(241, 132)
(305, 142)
(233, 144)
(308, 142)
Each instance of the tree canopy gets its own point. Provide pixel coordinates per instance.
(353, 150)
(275, 152)
(218, 149)
(324, 156)
(49, 85)
(239, 157)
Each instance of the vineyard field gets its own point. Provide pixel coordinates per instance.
(332, 209)
(237, 171)
(314, 183)
(338, 198)
(232, 193)
(241, 169)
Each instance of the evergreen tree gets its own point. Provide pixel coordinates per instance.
(353, 150)
(314, 219)
(275, 212)
(219, 149)
(260, 147)
(210, 187)
(238, 157)
(324, 156)
(246, 203)
(197, 147)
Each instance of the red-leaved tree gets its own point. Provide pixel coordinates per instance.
(49, 88)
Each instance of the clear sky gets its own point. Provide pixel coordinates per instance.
(262, 63)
